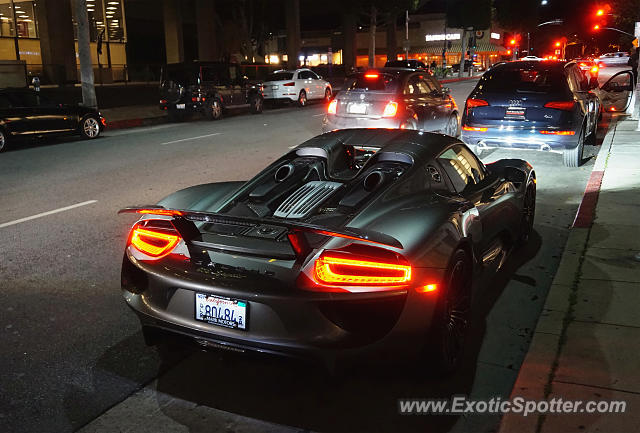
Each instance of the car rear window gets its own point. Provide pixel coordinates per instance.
(373, 81)
(523, 80)
(279, 76)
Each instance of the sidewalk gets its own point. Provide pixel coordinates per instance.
(586, 345)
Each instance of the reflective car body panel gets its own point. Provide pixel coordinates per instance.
(405, 194)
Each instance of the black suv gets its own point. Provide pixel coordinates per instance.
(208, 88)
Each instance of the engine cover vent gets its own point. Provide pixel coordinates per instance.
(306, 198)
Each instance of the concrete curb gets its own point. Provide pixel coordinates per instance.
(134, 123)
(538, 368)
(455, 80)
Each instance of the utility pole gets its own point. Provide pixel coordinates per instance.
(84, 52)
(372, 38)
(406, 35)
(463, 53)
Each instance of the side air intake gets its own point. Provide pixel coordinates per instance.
(306, 198)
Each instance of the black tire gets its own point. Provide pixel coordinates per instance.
(256, 104)
(327, 94)
(573, 157)
(451, 316)
(528, 214)
(214, 109)
(3, 141)
(90, 127)
(302, 98)
(453, 126)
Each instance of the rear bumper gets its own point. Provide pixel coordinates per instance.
(321, 327)
(182, 106)
(332, 122)
(288, 94)
(520, 139)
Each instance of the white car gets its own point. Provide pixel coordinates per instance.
(301, 86)
(613, 59)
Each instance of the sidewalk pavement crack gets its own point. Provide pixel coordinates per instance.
(597, 387)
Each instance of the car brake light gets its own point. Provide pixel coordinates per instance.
(560, 105)
(334, 269)
(473, 128)
(471, 103)
(390, 109)
(289, 84)
(371, 75)
(163, 101)
(427, 288)
(103, 121)
(333, 106)
(594, 70)
(153, 242)
(558, 132)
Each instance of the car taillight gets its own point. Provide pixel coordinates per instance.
(154, 242)
(474, 128)
(333, 106)
(390, 109)
(163, 101)
(103, 121)
(472, 103)
(338, 269)
(594, 70)
(560, 105)
(371, 76)
(289, 84)
(553, 132)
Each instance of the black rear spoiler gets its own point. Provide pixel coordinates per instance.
(294, 228)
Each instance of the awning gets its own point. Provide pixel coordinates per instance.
(456, 47)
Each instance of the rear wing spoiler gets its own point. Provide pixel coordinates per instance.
(294, 228)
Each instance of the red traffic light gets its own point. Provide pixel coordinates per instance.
(600, 12)
(596, 27)
(512, 42)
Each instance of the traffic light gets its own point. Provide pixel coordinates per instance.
(596, 27)
(512, 42)
(600, 12)
(558, 43)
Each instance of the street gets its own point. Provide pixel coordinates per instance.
(72, 350)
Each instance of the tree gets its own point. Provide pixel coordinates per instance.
(517, 16)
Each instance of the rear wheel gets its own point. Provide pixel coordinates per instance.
(214, 109)
(573, 157)
(327, 94)
(452, 128)
(3, 141)
(90, 127)
(256, 103)
(452, 315)
(302, 98)
(528, 214)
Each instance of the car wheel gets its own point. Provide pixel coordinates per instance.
(453, 126)
(573, 157)
(302, 98)
(528, 213)
(3, 141)
(452, 315)
(90, 127)
(256, 104)
(327, 94)
(214, 110)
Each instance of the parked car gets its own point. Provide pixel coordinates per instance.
(300, 85)
(356, 245)
(26, 113)
(408, 64)
(542, 105)
(393, 98)
(619, 58)
(208, 88)
(477, 66)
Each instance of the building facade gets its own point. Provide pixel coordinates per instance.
(42, 33)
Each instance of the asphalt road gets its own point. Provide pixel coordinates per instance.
(71, 349)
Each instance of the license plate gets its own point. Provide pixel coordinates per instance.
(180, 106)
(356, 108)
(216, 310)
(515, 112)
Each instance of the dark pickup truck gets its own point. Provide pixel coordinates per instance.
(209, 88)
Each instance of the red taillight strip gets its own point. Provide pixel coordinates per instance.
(169, 212)
(558, 132)
(324, 273)
(333, 106)
(474, 128)
(137, 240)
(560, 105)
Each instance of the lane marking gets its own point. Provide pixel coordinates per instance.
(43, 214)
(127, 131)
(191, 138)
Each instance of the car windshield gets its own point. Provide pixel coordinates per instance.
(523, 80)
(373, 81)
(280, 76)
